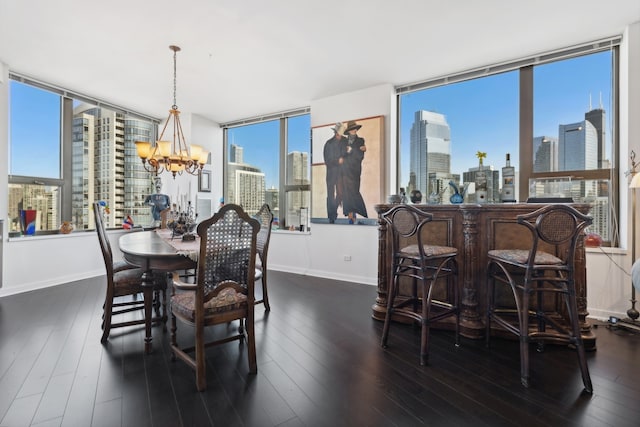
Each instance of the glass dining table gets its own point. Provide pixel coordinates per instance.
(157, 251)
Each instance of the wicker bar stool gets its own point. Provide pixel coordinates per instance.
(546, 267)
(425, 265)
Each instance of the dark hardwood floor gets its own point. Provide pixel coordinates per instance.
(319, 364)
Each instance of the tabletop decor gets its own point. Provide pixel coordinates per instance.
(183, 223)
(481, 179)
(458, 195)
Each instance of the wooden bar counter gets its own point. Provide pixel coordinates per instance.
(475, 229)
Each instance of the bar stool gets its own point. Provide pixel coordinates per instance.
(546, 267)
(428, 265)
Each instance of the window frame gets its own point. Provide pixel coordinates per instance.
(65, 182)
(526, 66)
(283, 145)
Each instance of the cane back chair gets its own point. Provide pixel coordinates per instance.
(223, 290)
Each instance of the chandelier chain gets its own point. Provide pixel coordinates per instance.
(175, 74)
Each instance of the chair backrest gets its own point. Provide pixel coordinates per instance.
(105, 246)
(405, 222)
(227, 250)
(559, 226)
(265, 217)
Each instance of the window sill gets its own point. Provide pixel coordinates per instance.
(296, 232)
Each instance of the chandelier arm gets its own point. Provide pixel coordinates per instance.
(165, 126)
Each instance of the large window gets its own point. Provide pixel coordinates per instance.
(268, 162)
(66, 152)
(551, 117)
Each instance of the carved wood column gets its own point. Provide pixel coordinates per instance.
(470, 318)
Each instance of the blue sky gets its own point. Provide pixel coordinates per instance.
(482, 115)
(35, 119)
(261, 143)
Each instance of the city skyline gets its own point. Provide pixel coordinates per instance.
(483, 113)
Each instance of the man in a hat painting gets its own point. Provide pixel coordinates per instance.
(352, 202)
(334, 150)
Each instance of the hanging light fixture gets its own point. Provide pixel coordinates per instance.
(173, 155)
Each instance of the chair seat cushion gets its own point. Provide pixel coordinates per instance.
(228, 299)
(429, 250)
(126, 282)
(122, 265)
(521, 256)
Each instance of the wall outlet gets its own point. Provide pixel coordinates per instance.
(347, 257)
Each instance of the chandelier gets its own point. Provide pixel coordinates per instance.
(172, 156)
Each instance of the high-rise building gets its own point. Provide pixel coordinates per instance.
(430, 148)
(297, 183)
(577, 146)
(103, 142)
(597, 117)
(236, 154)
(545, 152)
(245, 183)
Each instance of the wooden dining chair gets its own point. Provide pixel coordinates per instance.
(223, 290)
(265, 217)
(123, 280)
(541, 276)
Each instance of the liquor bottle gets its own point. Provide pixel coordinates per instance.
(481, 185)
(508, 182)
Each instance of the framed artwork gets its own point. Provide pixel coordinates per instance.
(346, 171)
(204, 181)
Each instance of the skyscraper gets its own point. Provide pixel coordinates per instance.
(103, 140)
(430, 148)
(597, 117)
(245, 183)
(298, 194)
(545, 152)
(577, 146)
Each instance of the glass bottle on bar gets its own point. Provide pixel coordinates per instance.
(508, 193)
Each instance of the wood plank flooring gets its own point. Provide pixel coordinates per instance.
(319, 364)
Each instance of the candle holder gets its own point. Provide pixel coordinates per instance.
(183, 223)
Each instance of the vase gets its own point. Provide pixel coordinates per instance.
(456, 198)
(28, 221)
(66, 227)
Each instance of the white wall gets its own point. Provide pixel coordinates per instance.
(608, 280)
(322, 252)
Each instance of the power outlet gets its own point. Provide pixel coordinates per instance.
(347, 257)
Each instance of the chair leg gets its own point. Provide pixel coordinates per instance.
(524, 338)
(164, 310)
(425, 324)
(575, 327)
(174, 341)
(251, 345)
(265, 294)
(201, 373)
(456, 301)
(387, 318)
(106, 319)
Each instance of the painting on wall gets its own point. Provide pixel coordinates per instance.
(346, 168)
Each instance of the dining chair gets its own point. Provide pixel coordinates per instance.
(123, 280)
(223, 290)
(541, 277)
(430, 266)
(265, 217)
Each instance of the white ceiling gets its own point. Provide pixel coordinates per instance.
(245, 58)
